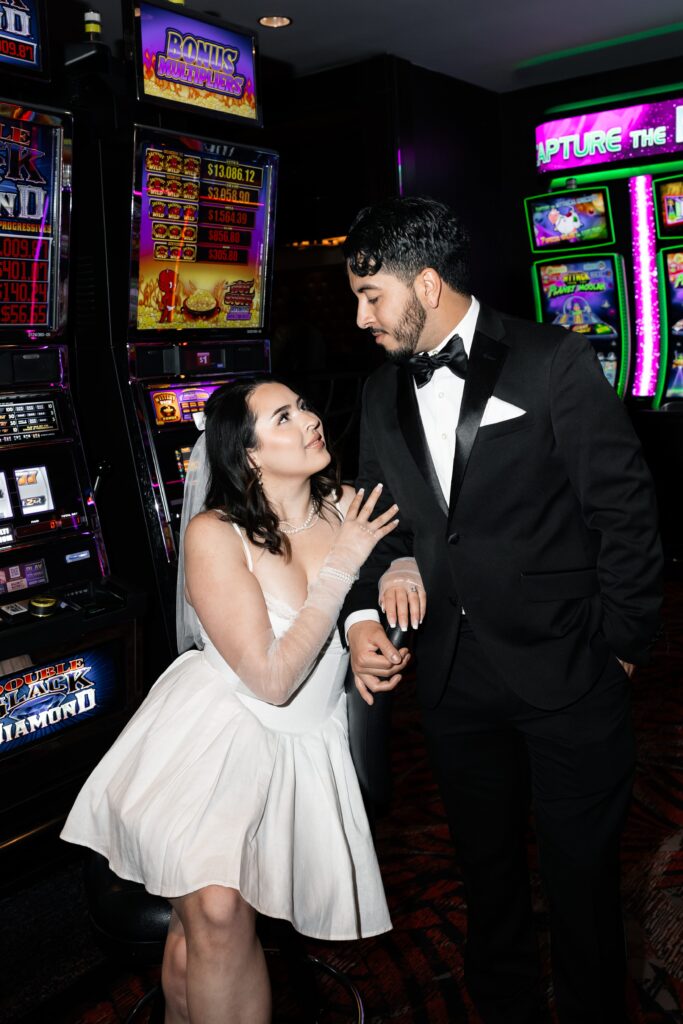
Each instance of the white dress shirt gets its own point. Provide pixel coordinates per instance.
(439, 404)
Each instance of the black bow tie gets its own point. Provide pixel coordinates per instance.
(452, 355)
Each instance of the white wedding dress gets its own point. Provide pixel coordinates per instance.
(208, 785)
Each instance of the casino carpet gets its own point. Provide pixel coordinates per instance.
(54, 974)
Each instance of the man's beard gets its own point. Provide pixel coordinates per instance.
(408, 331)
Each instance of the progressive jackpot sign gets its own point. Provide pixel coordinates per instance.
(30, 191)
(40, 700)
(20, 34)
(204, 234)
(185, 60)
(644, 131)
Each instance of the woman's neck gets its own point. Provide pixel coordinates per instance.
(290, 503)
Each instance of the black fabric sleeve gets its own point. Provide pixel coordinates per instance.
(398, 544)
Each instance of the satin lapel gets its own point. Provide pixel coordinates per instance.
(485, 362)
(414, 435)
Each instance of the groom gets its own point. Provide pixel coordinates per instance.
(525, 499)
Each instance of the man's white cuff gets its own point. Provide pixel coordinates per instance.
(364, 615)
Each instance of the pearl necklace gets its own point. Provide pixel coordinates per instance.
(306, 525)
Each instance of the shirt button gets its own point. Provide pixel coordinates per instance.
(440, 394)
(444, 437)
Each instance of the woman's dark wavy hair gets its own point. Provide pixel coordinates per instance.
(403, 236)
(234, 488)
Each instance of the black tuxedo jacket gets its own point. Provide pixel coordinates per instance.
(549, 540)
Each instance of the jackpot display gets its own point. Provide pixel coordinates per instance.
(188, 60)
(34, 184)
(21, 46)
(577, 219)
(586, 295)
(203, 235)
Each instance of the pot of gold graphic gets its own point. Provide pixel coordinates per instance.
(201, 305)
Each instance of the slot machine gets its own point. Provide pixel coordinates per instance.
(186, 198)
(633, 155)
(68, 639)
(627, 159)
(202, 234)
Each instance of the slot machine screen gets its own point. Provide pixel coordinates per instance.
(569, 220)
(34, 154)
(669, 207)
(193, 61)
(583, 295)
(22, 47)
(589, 296)
(673, 266)
(203, 217)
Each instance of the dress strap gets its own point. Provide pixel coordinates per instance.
(247, 552)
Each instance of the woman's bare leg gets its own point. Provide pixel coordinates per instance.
(227, 979)
(174, 974)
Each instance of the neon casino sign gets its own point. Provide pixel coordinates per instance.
(645, 130)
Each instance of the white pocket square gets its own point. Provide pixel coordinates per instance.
(497, 411)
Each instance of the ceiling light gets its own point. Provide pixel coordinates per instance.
(276, 21)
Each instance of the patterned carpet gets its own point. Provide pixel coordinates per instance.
(414, 974)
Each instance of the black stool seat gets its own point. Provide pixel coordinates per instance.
(128, 920)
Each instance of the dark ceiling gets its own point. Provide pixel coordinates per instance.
(487, 42)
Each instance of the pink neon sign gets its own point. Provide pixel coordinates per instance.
(644, 131)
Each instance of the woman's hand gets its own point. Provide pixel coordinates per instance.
(402, 595)
(359, 533)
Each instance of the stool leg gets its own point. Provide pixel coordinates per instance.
(157, 1014)
(344, 980)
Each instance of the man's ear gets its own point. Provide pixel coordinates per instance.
(429, 286)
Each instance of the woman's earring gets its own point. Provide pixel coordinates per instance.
(259, 476)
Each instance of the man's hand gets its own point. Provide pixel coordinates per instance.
(376, 663)
(627, 666)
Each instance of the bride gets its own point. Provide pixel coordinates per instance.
(231, 791)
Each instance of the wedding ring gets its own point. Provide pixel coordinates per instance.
(413, 588)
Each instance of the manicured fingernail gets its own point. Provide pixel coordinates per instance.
(392, 623)
(361, 490)
(404, 626)
(414, 623)
(396, 658)
(379, 487)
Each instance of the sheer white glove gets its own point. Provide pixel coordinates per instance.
(273, 667)
(402, 595)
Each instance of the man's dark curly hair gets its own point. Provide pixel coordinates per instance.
(403, 236)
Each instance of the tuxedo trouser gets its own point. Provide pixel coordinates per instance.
(492, 754)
